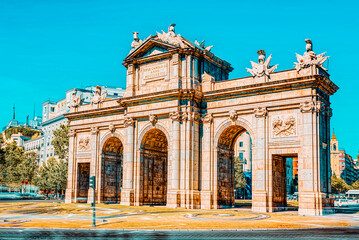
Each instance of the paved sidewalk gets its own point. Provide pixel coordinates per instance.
(79, 216)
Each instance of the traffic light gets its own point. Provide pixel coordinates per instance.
(92, 182)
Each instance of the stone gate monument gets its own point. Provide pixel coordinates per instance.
(170, 139)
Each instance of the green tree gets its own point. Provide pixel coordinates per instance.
(239, 179)
(355, 185)
(16, 165)
(61, 141)
(52, 175)
(13, 156)
(27, 166)
(339, 185)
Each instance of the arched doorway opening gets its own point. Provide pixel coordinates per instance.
(234, 166)
(111, 170)
(154, 160)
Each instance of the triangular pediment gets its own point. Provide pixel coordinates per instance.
(150, 47)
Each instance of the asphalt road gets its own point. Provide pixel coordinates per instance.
(333, 233)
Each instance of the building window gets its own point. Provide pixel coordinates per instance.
(240, 144)
(240, 156)
(116, 94)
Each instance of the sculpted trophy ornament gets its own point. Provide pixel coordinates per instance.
(262, 67)
(171, 37)
(201, 44)
(309, 58)
(75, 100)
(136, 41)
(98, 96)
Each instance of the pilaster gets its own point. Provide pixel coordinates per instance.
(173, 198)
(259, 164)
(128, 165)
(71, 180)
(93, 163)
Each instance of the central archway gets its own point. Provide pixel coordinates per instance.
(111, 170)
(154, 160)
(226, 153)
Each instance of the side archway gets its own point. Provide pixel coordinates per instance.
(154, 165)
(228, 163)
(111, 170)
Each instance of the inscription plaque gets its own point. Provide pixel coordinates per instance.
(154, 71)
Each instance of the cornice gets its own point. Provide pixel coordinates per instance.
(317, 81)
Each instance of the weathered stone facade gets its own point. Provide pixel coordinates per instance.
(170, 139)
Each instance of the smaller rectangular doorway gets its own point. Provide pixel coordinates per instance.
(284, 182)
(83, 181)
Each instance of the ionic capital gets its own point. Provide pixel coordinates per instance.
(307, 106)
(207, 118)
(72, 133)
(260, 112)
(129, 121)
(94, 130)
(175, 116)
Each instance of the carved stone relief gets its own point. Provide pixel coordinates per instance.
(284, 126)
(84, 144)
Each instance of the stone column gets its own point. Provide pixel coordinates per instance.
(173, 193)
(259, 165)
(71, 168)
(206, 163)
(93, 163)
(127, 190)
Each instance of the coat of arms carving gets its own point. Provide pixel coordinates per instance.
(284, 126)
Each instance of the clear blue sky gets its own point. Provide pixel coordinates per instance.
(47, 47)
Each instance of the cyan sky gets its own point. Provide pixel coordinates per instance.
(47, 47)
